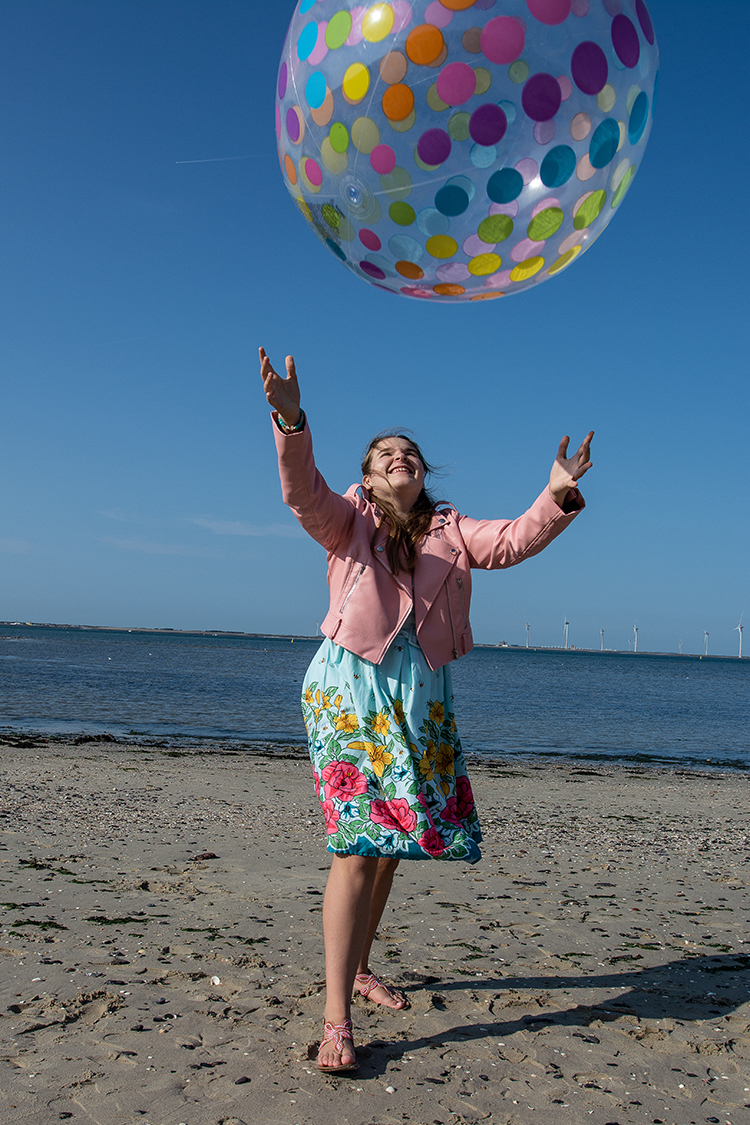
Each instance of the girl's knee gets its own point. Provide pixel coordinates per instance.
(351, 864)
(388, 863)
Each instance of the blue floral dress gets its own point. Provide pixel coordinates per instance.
(387, 760)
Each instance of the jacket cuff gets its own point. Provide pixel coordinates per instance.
(573, 503)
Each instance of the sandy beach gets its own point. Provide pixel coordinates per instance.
(162, 951)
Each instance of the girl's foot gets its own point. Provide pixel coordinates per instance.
(368, 985)
(336, 1051)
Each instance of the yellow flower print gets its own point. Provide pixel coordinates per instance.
(380, 758)
(309, 697)
(347, 721)
(337, 701)
(427, 760)
(378, 755)
(381, 724)
(437, 712)
(444, 759)
(398, 711)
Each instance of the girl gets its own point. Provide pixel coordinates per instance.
(386, 757)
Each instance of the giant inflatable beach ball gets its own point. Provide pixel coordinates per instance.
(456, 150)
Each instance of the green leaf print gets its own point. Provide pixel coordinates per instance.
(345, 830)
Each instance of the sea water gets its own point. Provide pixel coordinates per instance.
(510, 702)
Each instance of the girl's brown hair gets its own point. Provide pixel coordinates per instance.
(405, 533)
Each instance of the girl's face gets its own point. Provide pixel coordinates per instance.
(395, 472)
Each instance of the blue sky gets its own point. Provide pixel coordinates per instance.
(138, 475)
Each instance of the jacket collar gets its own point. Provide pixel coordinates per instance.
(443, 516)
(440, 518)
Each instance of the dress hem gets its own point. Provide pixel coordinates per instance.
(372, 853)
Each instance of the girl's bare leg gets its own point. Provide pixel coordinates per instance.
(389, 998)
(346, 914)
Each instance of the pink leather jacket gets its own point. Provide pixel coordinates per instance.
(369, 603)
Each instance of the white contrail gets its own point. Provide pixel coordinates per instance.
(216, 159)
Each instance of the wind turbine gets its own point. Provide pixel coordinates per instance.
(602, 633)
(738, 628)
(566, 624)
(705, 634)
(635, 635)
(527, 636)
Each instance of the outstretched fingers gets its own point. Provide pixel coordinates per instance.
(583, 456)
(291, 376)
(282, 393)
(266, 368)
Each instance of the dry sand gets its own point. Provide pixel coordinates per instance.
(595, 967)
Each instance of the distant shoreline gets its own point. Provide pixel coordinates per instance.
(572, 650)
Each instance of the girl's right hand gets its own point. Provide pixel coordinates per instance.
(282, 394)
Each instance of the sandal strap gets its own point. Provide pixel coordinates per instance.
(368, 983)
(371, 982)
(336, 1033)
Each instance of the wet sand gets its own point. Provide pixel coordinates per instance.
(162, 956)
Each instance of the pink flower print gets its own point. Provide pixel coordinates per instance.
(464, 798)
(450, 812)
(395, 815)
(343, 780)
(331, 815)
(431, 842)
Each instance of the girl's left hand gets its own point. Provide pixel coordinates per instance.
(567, 471)
(282, 394)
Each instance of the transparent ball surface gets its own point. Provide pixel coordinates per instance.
(461, 150)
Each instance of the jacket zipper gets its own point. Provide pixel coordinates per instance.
(450, 615)
(463, 603)
(360, 572)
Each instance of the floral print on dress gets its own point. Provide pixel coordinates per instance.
(387, 760)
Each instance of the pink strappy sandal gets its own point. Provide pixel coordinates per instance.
(368, 982)
(336, 1033)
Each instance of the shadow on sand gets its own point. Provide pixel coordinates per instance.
(692, 988)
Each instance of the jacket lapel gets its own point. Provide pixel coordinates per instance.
(436, 558)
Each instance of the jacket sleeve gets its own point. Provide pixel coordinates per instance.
(324, 514)
(494, 544)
